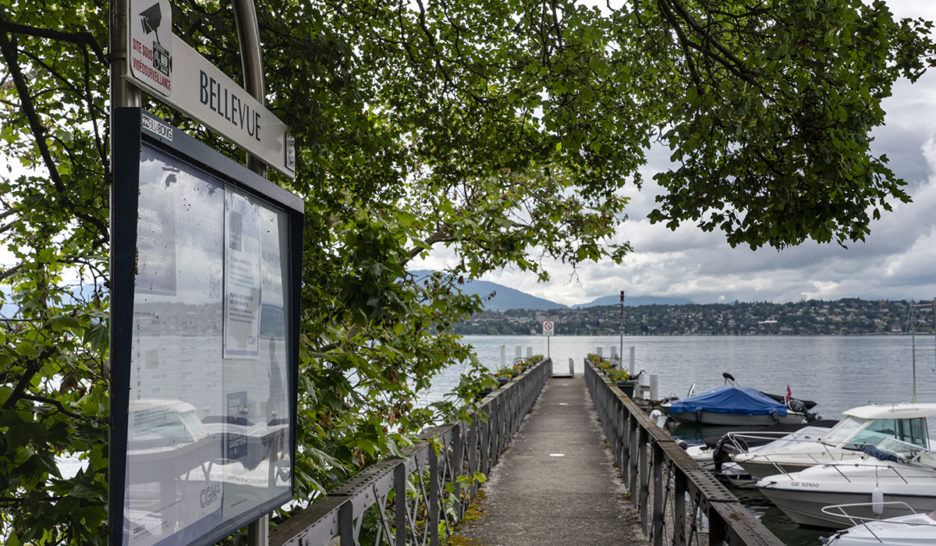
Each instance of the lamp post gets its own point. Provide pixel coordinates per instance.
(621, 332)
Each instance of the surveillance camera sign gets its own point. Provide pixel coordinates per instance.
(151, 44)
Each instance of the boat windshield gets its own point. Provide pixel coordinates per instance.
(844, 430)
(855, 433)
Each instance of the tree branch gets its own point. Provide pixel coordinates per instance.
(10, 55)
(77, 38)
(32, 368)
(55, 403)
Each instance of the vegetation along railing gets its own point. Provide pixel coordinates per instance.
(670, 490)
(437, 475)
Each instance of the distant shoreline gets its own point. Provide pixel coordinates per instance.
(808, 318)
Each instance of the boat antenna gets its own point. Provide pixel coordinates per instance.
(913, 350)
(912, 321)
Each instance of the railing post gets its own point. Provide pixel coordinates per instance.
(659, 462)
(634, 474)
(473, 451)
(346, 524)
(717, 530)
(620, 450)
(644, 477)
(456, 462)
(680, 487)
(399, 502)
(434, 507)
(485, 440)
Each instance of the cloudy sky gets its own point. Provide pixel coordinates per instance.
(897, 261)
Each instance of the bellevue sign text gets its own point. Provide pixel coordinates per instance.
(228, 104)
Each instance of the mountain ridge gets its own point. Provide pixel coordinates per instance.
(507, 298)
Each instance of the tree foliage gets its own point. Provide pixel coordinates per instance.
(504, 131)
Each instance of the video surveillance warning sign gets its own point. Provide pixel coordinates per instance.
(151, 44)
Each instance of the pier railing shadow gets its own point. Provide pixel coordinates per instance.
(435, 477)
(679, 503)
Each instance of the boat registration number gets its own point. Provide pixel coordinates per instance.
(805, 484)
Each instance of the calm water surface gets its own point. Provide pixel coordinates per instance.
(839, 372)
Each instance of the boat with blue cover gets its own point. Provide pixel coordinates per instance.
(731, 405)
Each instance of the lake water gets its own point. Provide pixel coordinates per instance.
(839, 372)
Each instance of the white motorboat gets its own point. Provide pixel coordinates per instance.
(917, 529)
(716, 451)
(865, 425)
(899, 486)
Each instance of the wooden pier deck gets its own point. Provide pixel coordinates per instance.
(556, 482)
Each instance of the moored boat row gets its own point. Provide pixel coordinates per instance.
(874, 465)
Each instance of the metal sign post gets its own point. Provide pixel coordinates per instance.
(549, 328)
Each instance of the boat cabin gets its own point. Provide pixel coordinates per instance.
(870, 425)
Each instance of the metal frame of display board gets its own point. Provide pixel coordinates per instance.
(133, 130)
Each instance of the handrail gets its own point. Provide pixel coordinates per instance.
(666, 485)
(429, 472)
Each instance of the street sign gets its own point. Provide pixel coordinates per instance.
(549, 328)
(163, 64)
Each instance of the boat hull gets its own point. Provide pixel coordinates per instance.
(904, 488)
(807, 509)
(735, 420)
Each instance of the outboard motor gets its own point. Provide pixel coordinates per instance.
(724, 449)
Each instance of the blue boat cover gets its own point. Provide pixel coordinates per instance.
(730, 399)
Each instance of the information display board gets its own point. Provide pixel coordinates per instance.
(206, 271)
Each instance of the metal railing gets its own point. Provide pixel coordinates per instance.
(674, 496)
(436, 476)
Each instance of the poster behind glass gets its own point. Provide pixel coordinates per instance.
(207, 439)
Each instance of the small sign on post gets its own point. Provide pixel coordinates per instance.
(548, 327)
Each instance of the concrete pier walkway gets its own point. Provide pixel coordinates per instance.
(556, 483)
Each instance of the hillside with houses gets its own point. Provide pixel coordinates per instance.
(813, 317)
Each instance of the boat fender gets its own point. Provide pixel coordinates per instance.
(776, 416)
(877, 501)
(683, 444)
(658, 417)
